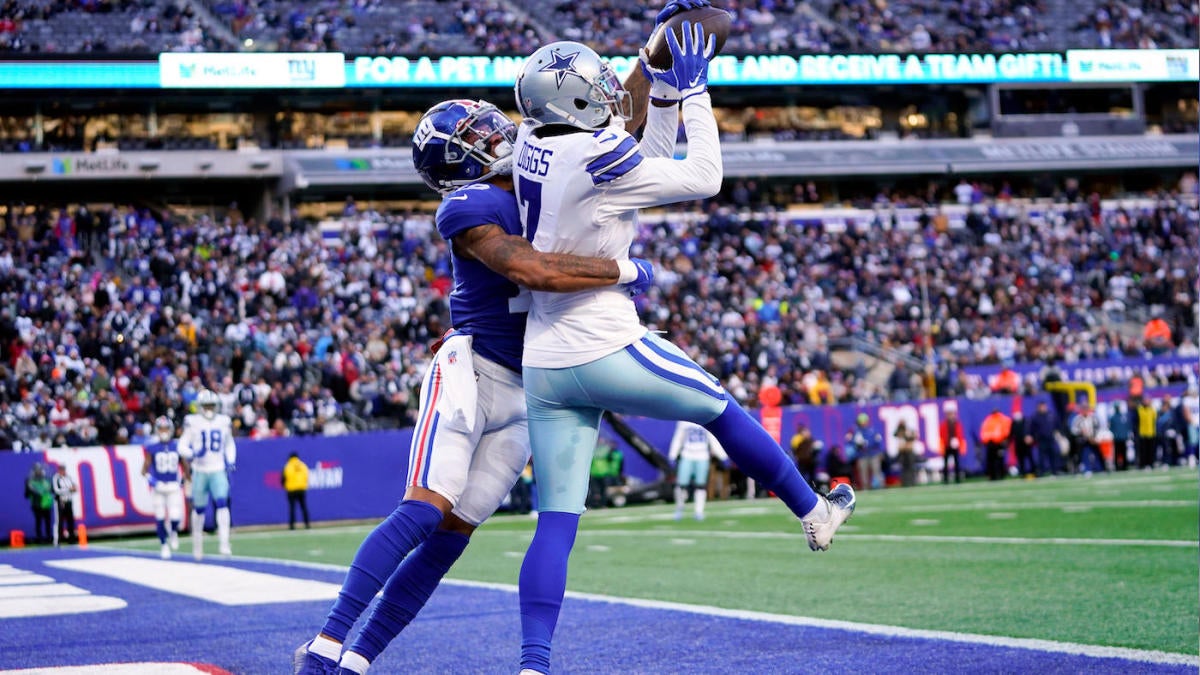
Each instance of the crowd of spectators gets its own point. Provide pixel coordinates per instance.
(103, 27)
(111, 318)
(611, 26)
(377, 27)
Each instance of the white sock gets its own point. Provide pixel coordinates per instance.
(355, 662)
(699, 498)
(197, 530)
(680, 497)
(323, 646)
(820, 511)
(223, 526)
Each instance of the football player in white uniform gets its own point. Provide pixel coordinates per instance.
(164, 471)
(692, 446)
(207, 443)
(580, 178)
(471, 441)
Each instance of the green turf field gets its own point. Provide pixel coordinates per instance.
(1105, 560)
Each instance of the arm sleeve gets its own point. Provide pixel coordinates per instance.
(661, 180)
(185, 441)
(662, 128)
(677, 441)
(230, 446)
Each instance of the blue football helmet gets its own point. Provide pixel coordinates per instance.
(568, 83)
(459, 142)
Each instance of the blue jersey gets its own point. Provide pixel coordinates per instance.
(485, 304)
(164, 462)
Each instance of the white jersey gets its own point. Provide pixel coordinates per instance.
(1191, 404)
(208, 443)
(579, 194)
(692, 441)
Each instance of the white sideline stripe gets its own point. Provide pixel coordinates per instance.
(19, 608)
(1140, 655)
(24, 578)
(223, 585)
(728, 534)
(1144, 656)
(113, 669)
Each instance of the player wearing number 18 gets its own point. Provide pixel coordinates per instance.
(207, 444)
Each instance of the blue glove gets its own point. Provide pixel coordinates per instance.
(688, 74)
(644, 279)
(230, 468)
(676, 6)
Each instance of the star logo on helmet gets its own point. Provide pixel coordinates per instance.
(560, 65)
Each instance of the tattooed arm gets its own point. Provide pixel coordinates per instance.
(515, 258)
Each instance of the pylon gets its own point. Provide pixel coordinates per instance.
(81, 531)
(16, 539)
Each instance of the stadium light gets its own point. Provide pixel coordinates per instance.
(35, 167)
(204, 165)
(148, 165)
(260, 164)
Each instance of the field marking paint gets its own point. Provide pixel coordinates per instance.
(1096, 651)
(222, 585)
(125, 669)
(24, 579)
(1139, 655)
(1001, 515)
(40, 591)
(1049, 541)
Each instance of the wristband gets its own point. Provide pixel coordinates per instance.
(626, 271)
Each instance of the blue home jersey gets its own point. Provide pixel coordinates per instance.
(485, 304)
(164, 462)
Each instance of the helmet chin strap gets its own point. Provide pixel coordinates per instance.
(573, 120)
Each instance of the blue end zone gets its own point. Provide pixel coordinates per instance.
(476, 630)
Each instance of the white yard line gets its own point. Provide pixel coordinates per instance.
(736, 534)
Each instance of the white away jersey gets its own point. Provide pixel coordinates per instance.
(579, 194)
(692, 441)
(208, 443)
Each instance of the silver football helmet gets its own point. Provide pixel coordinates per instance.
(567, 83)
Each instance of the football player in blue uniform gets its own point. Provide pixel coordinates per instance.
(471, 441)
(581, 177)
(165, 471)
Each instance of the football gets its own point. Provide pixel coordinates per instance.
(716, 22)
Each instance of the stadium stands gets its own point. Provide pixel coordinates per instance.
(615, 26)
(103, 26)
(126, 312)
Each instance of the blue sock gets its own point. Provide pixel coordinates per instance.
(377, 557)
(543, 582)
(161, 527)
(761, 458)
(407, 591)
(174, 525)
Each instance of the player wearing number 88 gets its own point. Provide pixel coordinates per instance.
(471, 441)
(164, 471)
(207, 444)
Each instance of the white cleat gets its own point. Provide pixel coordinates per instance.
(165, 553)
(827, 516)
(225, 550)
(173, 541)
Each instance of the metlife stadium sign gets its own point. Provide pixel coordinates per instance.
(251, 71)
(335, 70)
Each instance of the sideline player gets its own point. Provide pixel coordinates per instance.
(693, 446)
(164, 470)
(581, 178)
(471, 441)
(207, 444)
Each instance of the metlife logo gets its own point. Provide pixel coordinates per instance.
(251, 71)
